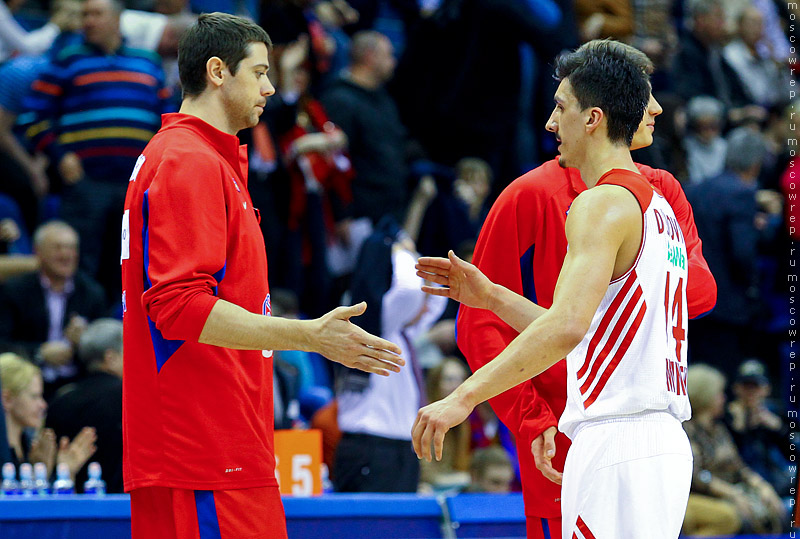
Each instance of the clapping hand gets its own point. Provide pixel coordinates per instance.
(77, 452)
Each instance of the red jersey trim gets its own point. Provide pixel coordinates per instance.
(633, 182)
(640, 188)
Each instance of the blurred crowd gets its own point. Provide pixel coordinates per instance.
(394, 126)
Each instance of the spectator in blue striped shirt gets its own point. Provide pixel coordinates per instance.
(95, 109)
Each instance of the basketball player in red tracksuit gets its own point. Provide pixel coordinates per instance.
(522, 246)
(197, 385)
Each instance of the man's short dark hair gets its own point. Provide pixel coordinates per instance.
(612, 76)
(215, 34)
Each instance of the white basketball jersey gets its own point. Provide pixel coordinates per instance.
(633, 358)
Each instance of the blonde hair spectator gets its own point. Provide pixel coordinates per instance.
(704, 384)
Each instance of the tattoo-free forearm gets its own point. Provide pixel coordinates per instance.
(231, 326)
(515, 310)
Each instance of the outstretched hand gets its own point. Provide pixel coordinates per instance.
(543, 448)
(341, 341)
(459, 280)
(433, 422)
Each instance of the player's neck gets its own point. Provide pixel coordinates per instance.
(207, 109)
(602, 158)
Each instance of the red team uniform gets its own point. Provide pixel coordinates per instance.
(197, 419)
(522, 246)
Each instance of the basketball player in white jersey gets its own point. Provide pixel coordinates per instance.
(618, 316)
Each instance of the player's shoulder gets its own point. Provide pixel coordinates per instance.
(180, 150)
(609, 202)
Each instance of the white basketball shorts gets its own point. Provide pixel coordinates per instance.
(627, 478)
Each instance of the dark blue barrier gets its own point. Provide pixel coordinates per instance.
(350, 516)
(481, 515)
(336, 516)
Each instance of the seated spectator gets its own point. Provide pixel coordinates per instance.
(726, 496)
(699, 68)
(725, 210)
(491, 471)
(43, 314)
(453, 470)
(759, 433)
(25, 410)
(773, 43)
(487, 430)
(705, 147)
(764, 81)
(96, 400)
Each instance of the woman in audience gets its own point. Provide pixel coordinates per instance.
(726, 497)
(25, 410)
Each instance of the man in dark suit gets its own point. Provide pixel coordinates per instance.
(725, 211)
(42, 314)
(96, 400)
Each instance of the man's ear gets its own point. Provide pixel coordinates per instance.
(215, 69)
(594, 118)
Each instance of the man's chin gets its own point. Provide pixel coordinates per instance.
(562, 162)
(644, 142)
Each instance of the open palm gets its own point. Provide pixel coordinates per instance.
(459, 280)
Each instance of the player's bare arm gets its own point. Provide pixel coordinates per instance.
(465, 283)
(332, 335)
(604, 231)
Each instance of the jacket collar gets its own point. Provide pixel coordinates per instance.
(226, 145)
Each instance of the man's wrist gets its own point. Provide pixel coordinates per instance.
(492, 297)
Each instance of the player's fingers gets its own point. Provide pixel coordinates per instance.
(455, 260)
(434, 262)
(391, 352)
(425, 440)
(436, 291)
(549, 448)
(346, 313)
(434, 278)
(86, 436)
(416, 434)
(438, 441)
(387, 356)
(368, 364)
(555, 476)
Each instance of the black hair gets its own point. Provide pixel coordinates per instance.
(215, 34)
(612, 76)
